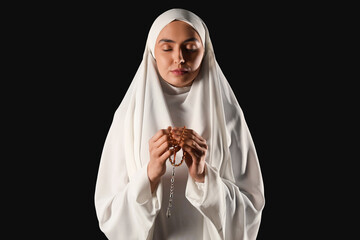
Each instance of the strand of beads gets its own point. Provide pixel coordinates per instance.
(172, 161)
(170, 205)
(174, 145)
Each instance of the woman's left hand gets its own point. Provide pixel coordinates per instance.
(195, 147)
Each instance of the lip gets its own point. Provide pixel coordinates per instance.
(180, 71)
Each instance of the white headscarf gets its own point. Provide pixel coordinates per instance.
(171, 15)
(216, 115)
(147, 111)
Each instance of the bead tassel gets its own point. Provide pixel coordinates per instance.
(172, 161)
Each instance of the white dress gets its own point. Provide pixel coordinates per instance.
(228, 205)
(186, 221)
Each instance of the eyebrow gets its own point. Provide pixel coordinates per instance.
(172, 41)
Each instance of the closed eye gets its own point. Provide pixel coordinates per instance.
(167, 50)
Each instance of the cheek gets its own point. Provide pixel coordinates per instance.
(161, 59)
(197, 61)
(162, 65)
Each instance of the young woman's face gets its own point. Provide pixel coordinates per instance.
(178, 52)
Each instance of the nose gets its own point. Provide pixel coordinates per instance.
(178, 56)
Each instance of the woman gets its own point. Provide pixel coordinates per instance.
(179, 107)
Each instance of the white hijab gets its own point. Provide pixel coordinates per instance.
(147, 111)
(216, 115)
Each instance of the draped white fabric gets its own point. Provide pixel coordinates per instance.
(228, 205)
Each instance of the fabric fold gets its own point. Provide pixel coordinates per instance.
(229, 204)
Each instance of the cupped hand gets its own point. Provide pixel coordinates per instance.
(195, 148)
(160, 151)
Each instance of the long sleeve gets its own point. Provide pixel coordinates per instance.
(125, 209)
(232, 209)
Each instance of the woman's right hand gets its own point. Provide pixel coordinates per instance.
(159, 152)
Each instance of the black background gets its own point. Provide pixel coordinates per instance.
(78, 61)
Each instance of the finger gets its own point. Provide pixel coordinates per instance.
(196, 149)
(159, 134)
(199, 141)
(188, 159)
(162, 140)
(163, 147)
(167, 154)
(189, 150)
(192, 140)
(188, 133)
(196, 135)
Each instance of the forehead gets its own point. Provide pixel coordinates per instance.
(178, 31)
